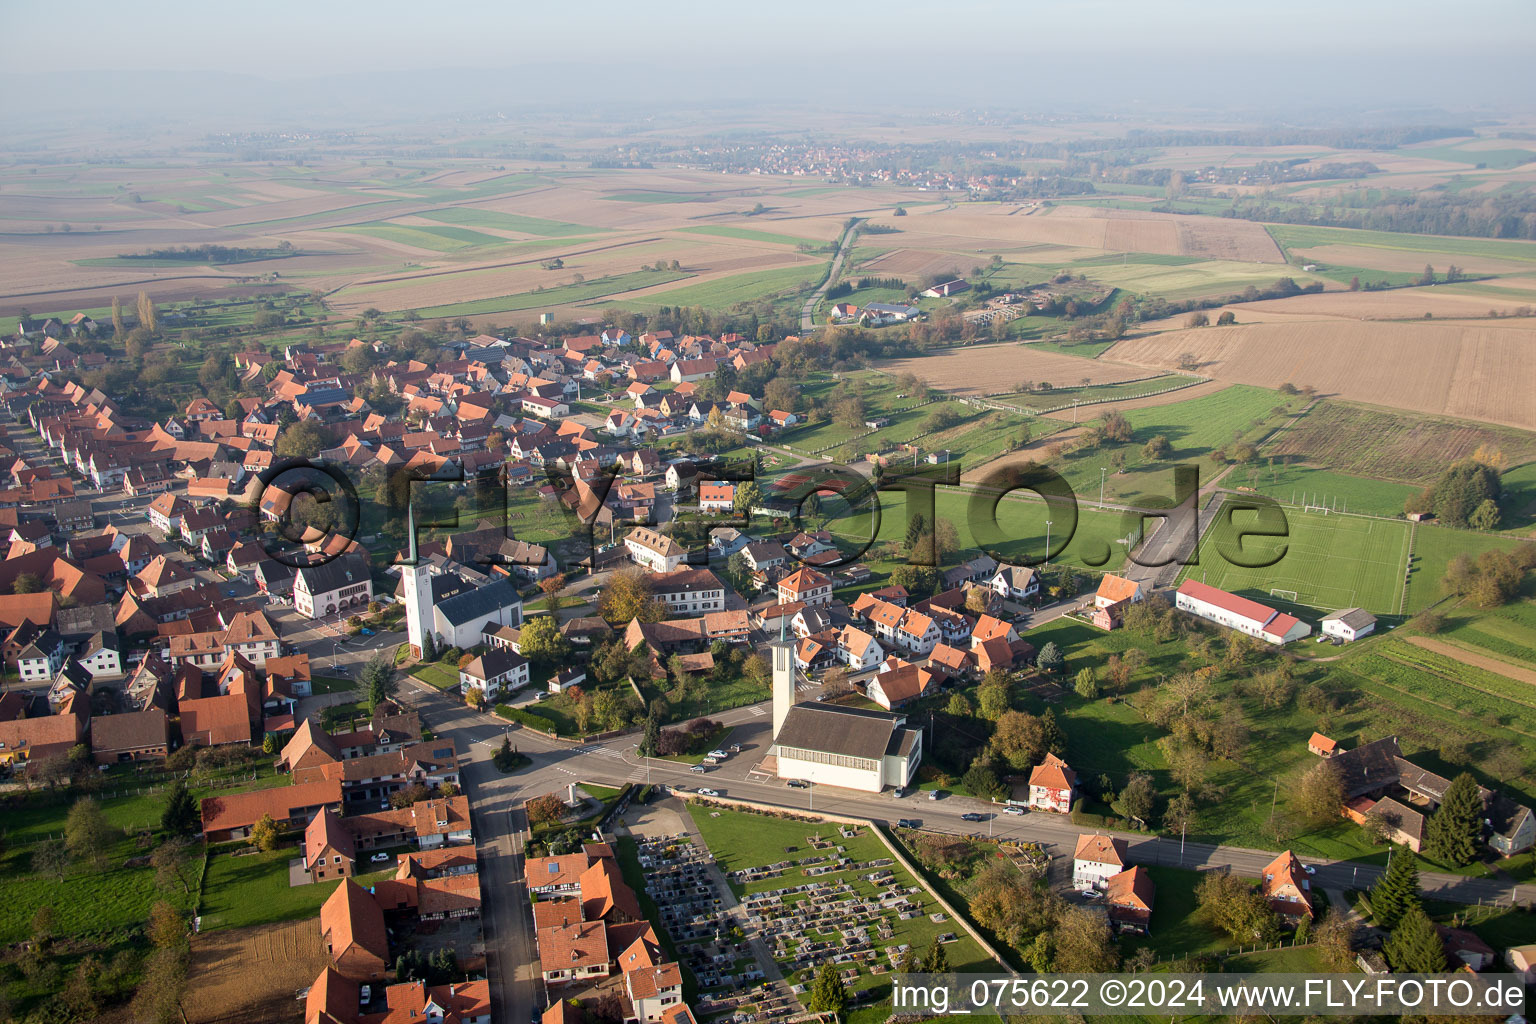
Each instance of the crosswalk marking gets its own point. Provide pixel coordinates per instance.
(610, 752)
(758, 712)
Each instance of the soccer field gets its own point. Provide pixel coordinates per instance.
(1330, 561)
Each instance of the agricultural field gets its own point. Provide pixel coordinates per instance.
(1474, 372)
(1375, 442)
(726, 291)
(983, 370)
(1391, 250)
(1330, 561)
(471, 217)
(1058, 396)
(559, 296)
(249, 975)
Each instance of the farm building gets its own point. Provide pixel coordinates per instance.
(946, 289)
(1349, 624)
(1239, 613)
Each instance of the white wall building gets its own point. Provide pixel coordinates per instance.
(1096, 859)
(1349, 624)
(1239, 613)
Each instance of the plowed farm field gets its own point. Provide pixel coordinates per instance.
(993, 369)
(1465, 371)
(250, 975)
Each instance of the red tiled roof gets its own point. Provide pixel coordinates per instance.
(1227, 602)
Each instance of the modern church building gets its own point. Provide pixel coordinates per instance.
(830, 745)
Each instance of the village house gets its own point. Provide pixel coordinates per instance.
(1097, 859)
(1349, 624)
(806, 586)
(1051, 786)
(653, 550)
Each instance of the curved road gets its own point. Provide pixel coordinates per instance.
(808, 311)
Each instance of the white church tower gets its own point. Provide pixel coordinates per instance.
(783, 681)
(416, 580)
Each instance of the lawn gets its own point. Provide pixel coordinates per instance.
(252, 888)
(1176, 929)
(1507, 632)
(1309, 485)
(1325, 561)
(438, 675)
(1433, 549)
(1057, 397)
(85, 903)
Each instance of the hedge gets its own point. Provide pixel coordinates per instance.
(527, 718)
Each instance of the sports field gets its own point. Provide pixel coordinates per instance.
(1330, 561)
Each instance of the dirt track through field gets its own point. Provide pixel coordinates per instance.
(1482, 661)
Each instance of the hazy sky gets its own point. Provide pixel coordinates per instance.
(286, 38)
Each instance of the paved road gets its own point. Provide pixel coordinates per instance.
(808, 311)
(495, 800)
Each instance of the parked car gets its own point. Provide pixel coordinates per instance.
(379, 858)
(973, 816)
(366, 631)
(711, 761)
(933, 794)
(1013, 810)
(735, 748)
(1309, 869)
(799, 784)
(709, 792)
(719, 755)
(908, 823)
(1091, 894)
(365, 994)
(701, 769)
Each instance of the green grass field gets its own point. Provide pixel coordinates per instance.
(1059, 396)
(560, 296)
(248, 889)
(1189, 280)
(437, 239)
(1329, 561)
(1303, 485)
(1298, 236)
(473, 217)
(437, 675)
(728, 291)
(1433, 549)
(749, 234)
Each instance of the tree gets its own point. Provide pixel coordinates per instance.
(628, 596)
(550, 587)
(542, 641)
(27, 583)
(264, 834)
(545, 809)
(87, 833)
(1157, 447)
(1197, 320)
(1486, 516)
(167, 928)
(149, 317)
(936, 960)
(176, 869)
(1137, 798)
(45, 925)
(1049, 659)
(303, 440)
(992, 697)
(181, 816)
(827, 992)
(158, 997)
(505, 759)
(958, 706)
(651, 738)
(1321, 794)
(748, 496)
(1414, 947)
(1428, 277)
(117, 318)
(1179, 815)
(51, 857)
(376, 683)
(1397, 889)
(1019, 739)
(1236, 907)
(1226, 318)
(1334, 938)
(918, 579)
(1087, 683)
(1455, 829)
(1083, 943)
(981, 780)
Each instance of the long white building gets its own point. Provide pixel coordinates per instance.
(1239, 613)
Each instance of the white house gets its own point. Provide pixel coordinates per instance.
(654, 550)
(717, 497)
(494, 672)
(693, 369)
(545, 408)
(345, 582)
(859, 649)
(1115, 589)
(461, 620)
(1349, 624)
(1051, 786)
(102, 655)
(689, 591)
(1239, 613)
(806, 585)
(918, 633)
(1015, 583)
(1096, 859)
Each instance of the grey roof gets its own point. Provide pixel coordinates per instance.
(80, 622)
(480, 601)
(903, 742)
(1369, 767)
(129, 731)
(495, 662)
(1354, 618)
(1505, 816)
(335, 574)
(833, 729)
(1400, 816)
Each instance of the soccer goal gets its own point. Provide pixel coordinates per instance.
(1324, 509)
(1288, 595)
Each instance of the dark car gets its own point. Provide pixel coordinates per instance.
(799, 784)
(908, 823)
(973, 816)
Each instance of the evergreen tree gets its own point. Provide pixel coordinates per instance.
(936, 961)
(429, 647)
(1454, 830)
(376, 682)
(1055, 739)
(827, 992)
(1414, 946)
(652, 737)
(1049, 659)
(1397, 890)
(180, 817)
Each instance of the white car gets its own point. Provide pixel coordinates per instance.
(1013, 810)
(1309, 869)
(379, 858)
(701, 769)
(1091, 894)
(709, 792)
(718, 755)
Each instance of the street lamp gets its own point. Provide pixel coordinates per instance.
(1102, 471)
(1047, 542)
